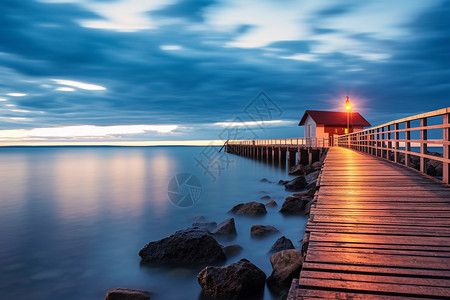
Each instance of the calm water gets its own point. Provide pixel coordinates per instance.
(72, 220)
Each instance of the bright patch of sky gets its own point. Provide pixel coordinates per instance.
(84, 131)
(16, 94)
(80, 85)
(121, 15)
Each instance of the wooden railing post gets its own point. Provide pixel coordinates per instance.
(423, 145)
(396, 142)
(446, 150)
(407, 142)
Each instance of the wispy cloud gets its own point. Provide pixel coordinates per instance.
(80, 85)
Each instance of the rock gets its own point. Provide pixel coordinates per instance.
(190, 246)
(127, 294)
(198, 218)
(296, 184)
(271, 203)
(294, 206)
(286, 265)
(205, 224)
(297, 170)
(265, 197)
(239, 280)
(439, 170)
(312, 176)
(308, 207)
(317, 165)
(227, 227)
(262, 230)
(431, 170)
(249, 208)
(283, 182)
(232, 250)
(281, 244)
(309, 169)
(311, 185)
(265, 180)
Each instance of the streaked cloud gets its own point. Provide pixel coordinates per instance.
(84, 131)
(254, 123)
(170, 47)
(16, 94)
(80, 85)
(65, 89)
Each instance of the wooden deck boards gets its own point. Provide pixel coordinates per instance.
(376, 231)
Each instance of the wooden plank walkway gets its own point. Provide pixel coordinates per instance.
(376, 231)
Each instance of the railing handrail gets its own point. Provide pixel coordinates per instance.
(307, 142)
(384, 141)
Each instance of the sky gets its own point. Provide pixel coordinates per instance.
(121, 71)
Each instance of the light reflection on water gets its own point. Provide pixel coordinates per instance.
(72, 220)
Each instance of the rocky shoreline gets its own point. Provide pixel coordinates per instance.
(197, 246)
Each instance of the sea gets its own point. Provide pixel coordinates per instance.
(73, 219)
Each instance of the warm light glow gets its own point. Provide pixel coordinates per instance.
(347, 104)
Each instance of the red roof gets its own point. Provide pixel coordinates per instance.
(334, 118)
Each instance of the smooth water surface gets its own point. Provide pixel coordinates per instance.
(72, 220)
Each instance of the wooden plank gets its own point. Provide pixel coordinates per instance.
(361, 286)
(382, 246)
(445, 274)
(377, 278)
(323, 294)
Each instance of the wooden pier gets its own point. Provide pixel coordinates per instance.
(379, 225)
(376, 231)
(280, 152)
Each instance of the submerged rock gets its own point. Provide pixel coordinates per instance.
(249, 208)
(227, 227)
(271, 203)
(193, 245)
(262, 230)
(296, 184)
(238, 280)
(286, 265)
(127, 294)
(207, 224)
(297, 170)
(265, 180)
(281, 244)
(283, 182)
(232, 250)
(312, 176)
(265, 197)
(294, 205)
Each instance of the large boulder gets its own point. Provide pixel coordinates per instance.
(286, 265)
(309, 169)
(190, 246)
(262, 230)
(232, 250)
(249, 208)
(297, 170)
(227, 227)
(281, 244)
(239, 280)
(312, 185)
(317, 165)
(296, 184)
(127, 294)
(312, 176)
(294, 205)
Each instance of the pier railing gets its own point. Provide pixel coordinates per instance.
(300, 142)
(406, 141)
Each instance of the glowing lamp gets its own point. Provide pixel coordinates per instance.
(347, 104)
